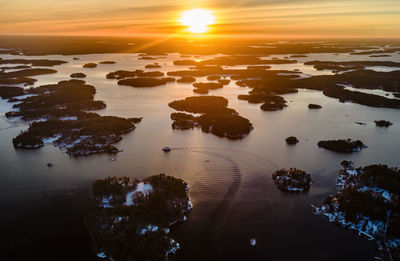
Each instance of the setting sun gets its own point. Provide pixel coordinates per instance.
(197, 20)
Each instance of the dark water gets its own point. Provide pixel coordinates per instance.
(43, 209)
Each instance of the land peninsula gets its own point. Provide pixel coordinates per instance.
(134, 217)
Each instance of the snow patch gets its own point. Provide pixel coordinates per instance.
(142, 187)
(106, 202)
(50, 140)
(68, 118)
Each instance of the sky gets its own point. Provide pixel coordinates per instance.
(260, 18)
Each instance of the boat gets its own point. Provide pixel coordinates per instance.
(50, 165)
(166, 149)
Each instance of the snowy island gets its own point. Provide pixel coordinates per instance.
(60, 116)
(292, 180)
(135, 215)
(368, 201)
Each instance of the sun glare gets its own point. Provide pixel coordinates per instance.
(197, 20)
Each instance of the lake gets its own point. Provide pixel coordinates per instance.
(234, 198)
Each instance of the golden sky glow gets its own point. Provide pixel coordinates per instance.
(197, 20)
(269, 18)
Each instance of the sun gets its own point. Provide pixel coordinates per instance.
(197, 20)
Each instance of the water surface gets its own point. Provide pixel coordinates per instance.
(234, 198)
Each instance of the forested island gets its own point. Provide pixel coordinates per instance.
(140, 78)
(215, 118)
(292, 180)
(60, 116)
(89, 65)
(266, 83)
(135, 215)
(292, 140)
(204, 87)
(346, 145)
(368, 201)
(383, 123)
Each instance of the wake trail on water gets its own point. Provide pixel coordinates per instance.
(246, 172)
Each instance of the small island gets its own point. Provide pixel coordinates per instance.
(274, 105)
(122, 74)
(107, 62)
(152, 66)
(270, 102)
(345, 146)
(383, 123)
(148, 58)
(78, 75)
(292, 180)
(204, 87)
(314, 106)
(367, 201)
(142, 82)
(89, 65)
(292, 140)
(135, 216)
(186, 79)
(224, 81)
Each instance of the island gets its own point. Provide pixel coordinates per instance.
(134, 216)
(351, 65)
(345, 146)
(23, 76)
(292, 180)
(147, 58)
(275, 82)
(213, 77)
(273, 103)
(224, 81)
(152, 66)
(89, 65)
(292, 140)
(78, 75)
(186, 79)
(270, 102)
(2, 68)
(204, 87)
(367, 201)
(142, 82)
(298, 56)
(383, 123)
(334, 86)
(7, 92)
(215, 118)
(314, 106)
(60, 116)
(122, 74)
(33, 62)
(107, 62)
